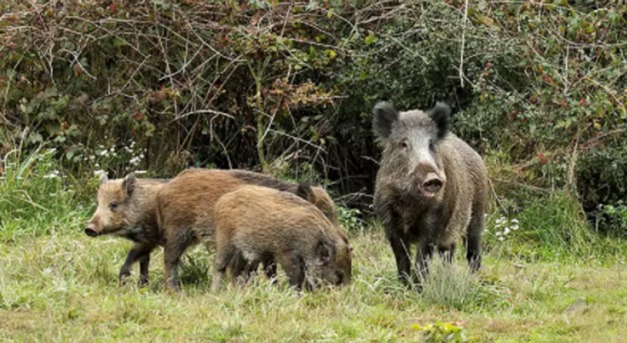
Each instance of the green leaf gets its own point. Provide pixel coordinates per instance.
(371, 38)
(117, 42)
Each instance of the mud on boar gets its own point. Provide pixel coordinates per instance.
(127, 208)
(431, 188)
(191, 196)
(258, 223)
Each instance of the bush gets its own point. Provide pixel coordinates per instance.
(601, 183)
(163, 85)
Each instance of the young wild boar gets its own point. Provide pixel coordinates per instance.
(127, 208)
(431, 188)
(259, 223)
(191, 196)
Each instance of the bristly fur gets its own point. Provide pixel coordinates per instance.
(260, 224)
(134, 218)
(456, 209)
(185, 206)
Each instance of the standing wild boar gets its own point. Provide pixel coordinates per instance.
(191, 196)
(431, 187)
(127, 208)
(259, 223)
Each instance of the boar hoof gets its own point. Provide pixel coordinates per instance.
(124, 275)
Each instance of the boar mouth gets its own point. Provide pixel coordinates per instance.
(91, 232)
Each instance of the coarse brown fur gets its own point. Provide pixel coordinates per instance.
(192, 195)
(259, 223)
(127, 208)
(431, 188)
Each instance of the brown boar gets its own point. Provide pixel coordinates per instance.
(127, 208)
(192, 195)
(260, 224)
(431, 188)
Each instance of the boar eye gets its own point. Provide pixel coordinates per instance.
(404, 145)
(113, 206)
(431, 145)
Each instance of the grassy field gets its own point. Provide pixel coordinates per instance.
(62, 287)
(546, 278)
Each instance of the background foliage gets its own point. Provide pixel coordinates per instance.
(537, 87)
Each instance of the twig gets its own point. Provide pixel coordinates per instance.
(184, 115)
(298, 139)
(461, 57)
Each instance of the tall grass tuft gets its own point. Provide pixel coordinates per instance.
(34, 197)
(452, 285)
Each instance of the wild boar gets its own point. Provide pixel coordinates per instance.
(191, 196)
(259, 223)
(127, 208)
(431, 188)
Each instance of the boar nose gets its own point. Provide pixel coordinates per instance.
(432, 183)
(91, 230)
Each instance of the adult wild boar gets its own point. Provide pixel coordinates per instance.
(431, 188)
(127, 208)
(259, 224)
(191, 196)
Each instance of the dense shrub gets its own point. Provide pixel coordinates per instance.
(288, 86)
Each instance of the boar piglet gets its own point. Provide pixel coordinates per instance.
(127, 208)
(431, 188)
(185, 208)
(259, 224)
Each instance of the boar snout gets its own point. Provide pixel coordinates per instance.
(91, 230)
(432, 184)
(427, 180)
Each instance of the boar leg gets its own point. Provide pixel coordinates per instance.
(400, 247)
(473, 240)
(136, 253)
(144, 263)
(173, 250)
(447, 253)
(424, 252)
(269, 268)
(294, 268)
(250, 268)
(224, 257)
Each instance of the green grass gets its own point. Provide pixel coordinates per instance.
(62, 287)
(548, 281)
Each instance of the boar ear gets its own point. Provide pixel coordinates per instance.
(103, 178)
(441, 115)
(129, 183)
(324, 251)
(304, 191)
(384, 117)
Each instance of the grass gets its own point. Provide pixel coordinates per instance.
(58, 285)
(62, 287)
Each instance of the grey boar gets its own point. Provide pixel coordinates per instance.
(259, 223)
(191, 196)
(127, 208)
(431, 188)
